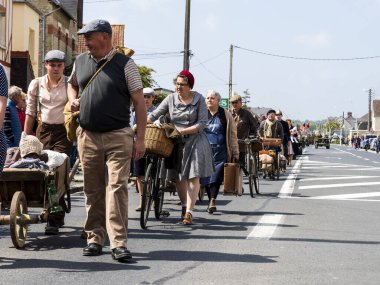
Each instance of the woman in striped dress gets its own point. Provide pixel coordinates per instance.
(3, 105)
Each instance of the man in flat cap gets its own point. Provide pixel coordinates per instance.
(47, 97)
(101, 87)
(245, 122)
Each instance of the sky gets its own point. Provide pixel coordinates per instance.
(304, 89)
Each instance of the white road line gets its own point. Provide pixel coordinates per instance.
(337, 178)
(347, 196)
(266, 227)
(338, 185)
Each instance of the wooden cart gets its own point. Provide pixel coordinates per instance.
(272, 146)
(23, 188)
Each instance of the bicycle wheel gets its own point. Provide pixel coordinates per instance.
(256, 173)
(147, 197)
(250, 168)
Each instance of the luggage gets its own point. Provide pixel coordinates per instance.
(233, 179)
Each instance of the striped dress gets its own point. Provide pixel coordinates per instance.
(3, 92)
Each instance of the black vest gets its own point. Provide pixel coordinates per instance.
(104, 105)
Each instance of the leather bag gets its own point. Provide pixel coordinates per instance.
(233, 179)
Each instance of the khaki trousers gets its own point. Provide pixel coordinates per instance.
(105, 159)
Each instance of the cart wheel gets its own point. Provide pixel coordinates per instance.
(19, 229)
(278, 167)
(147, 197)
(201, 193)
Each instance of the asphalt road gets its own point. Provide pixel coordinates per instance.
(319, 224)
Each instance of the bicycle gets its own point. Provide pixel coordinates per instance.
(153, 190)
(251, 163)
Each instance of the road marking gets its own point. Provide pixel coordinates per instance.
(337, 178)
(347, 196)
(266, 227)
(338, 185)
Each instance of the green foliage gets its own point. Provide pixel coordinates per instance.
(146, 76)
(159, 98)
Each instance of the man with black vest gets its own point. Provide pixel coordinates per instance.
(102, 84)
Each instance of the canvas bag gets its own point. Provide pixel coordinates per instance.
(71, 118)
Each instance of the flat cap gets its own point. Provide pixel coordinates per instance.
(148, 91)
(55, 55)
(235, 98)
(271, 111)
(96, 26)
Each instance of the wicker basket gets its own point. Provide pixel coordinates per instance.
(272, 142)
(156, 141)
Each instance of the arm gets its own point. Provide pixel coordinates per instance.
(141, 119)
(8, 126)
(162, 109)
(253, 125)
(72, 91)
(233, 140)
(3, 106)
(31, 107)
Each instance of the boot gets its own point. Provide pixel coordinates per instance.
(211, 206)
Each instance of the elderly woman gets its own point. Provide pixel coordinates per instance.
(222, 136)
(12, 122)
(187, 111)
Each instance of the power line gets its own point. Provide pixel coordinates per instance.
(308, 58)
(209, 71)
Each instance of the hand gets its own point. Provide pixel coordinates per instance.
(138, 150)
(134, 128)
(75, 105)
(157, 123)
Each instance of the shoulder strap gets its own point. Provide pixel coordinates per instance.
(38, 95)
(98, 71)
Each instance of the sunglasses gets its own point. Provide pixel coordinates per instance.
(148, 96)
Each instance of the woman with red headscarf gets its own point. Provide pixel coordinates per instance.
(187, 111)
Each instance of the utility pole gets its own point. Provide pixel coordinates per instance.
(187, 53)
(369, 110)
(230, 80)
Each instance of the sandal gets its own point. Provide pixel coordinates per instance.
(188, 219)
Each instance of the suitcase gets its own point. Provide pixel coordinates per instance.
(233, 179)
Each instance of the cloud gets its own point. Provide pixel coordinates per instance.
(319, 40)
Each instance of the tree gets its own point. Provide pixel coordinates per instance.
(146, 76)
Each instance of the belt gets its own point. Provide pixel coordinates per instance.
(215, 145)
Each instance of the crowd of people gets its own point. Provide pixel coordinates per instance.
(103, 86)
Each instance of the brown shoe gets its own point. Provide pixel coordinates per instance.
(211, 206)
(188, 219)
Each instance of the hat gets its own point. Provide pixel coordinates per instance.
(235, 98)
(189, 76)
(278, 112)
(271, 111)
(29, 144)
(55, 55)
(148, 91)
(96, 26)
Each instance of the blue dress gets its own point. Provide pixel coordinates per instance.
(3, 142)
(216, 134)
